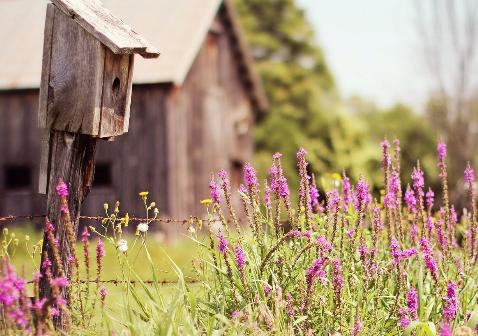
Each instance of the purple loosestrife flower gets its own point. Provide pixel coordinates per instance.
(62, 189)
(357, 327)
(441, 150)
(214, 191)
(250, 177)
(404, 320)
(267, 197)
(411, 200)
(337, 276)
(333, 200)
(314, 196)
(278, 183)
(469, 174)
(377, 218)
(346, 192)
(324, 244)
(430, 262)
(224, 176)
(85, 235)
(430, 198)
(362, 195)
(61, 282)
(267, 289)
(103, 294)
(430, 225)
(240, 258)
(304, 193)
(394, 189)
(386, 161)
(235, 314)
(100, 253)
(223, 248)
(450, 307)
(100, 249)
(315, 271)
(445, 329)
(412, 302)
(418, 180)
(399, 255)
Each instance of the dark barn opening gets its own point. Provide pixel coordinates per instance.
(103, 175)
(18, 177)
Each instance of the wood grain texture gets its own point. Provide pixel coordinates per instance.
(45, 74)
(106, 27)
(44, 162)
(76, 78)
(116, 94)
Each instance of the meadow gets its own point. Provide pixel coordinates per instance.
(342, 261)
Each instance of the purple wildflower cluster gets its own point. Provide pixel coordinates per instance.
(399, 255)
(316, 271)
(214, 191)
(240, 258)
(430, 262)
(12, 296)
(450, 307)
(223, 244)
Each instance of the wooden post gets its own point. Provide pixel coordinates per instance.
(85, 95)
(72, 158)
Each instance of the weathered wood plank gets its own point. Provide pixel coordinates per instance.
(45, 74)
(76, 78)
(106, 27)
(115, 103)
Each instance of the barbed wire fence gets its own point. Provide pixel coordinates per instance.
(189, 221)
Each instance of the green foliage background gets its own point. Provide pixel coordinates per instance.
(306, 109)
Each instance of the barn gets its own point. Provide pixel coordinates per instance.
(192, 110)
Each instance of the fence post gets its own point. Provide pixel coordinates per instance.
(85, 95)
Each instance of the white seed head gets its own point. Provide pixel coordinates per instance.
(143, 227)
(123, 245)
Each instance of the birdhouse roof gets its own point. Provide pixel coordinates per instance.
(107, 28)
(178, 27)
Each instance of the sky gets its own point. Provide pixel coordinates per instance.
(372, 47)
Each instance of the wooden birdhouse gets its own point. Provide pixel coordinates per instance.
(87, 72)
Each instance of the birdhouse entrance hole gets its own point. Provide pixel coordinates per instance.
(116, 86)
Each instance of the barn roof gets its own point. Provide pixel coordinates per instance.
(178, 27)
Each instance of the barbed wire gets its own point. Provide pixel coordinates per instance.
(117, 282)
(192, 219)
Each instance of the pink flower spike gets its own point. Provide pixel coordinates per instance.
(62, 189)
(469, 174)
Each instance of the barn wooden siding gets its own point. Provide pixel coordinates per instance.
(178, 137)
(19, 152)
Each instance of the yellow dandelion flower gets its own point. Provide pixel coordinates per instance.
(126, 220)
(144, 194)
(206, 201)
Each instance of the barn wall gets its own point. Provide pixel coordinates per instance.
(19, 153)
(209, 119)
(136, 159)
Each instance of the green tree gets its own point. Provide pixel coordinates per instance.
(305, 108)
